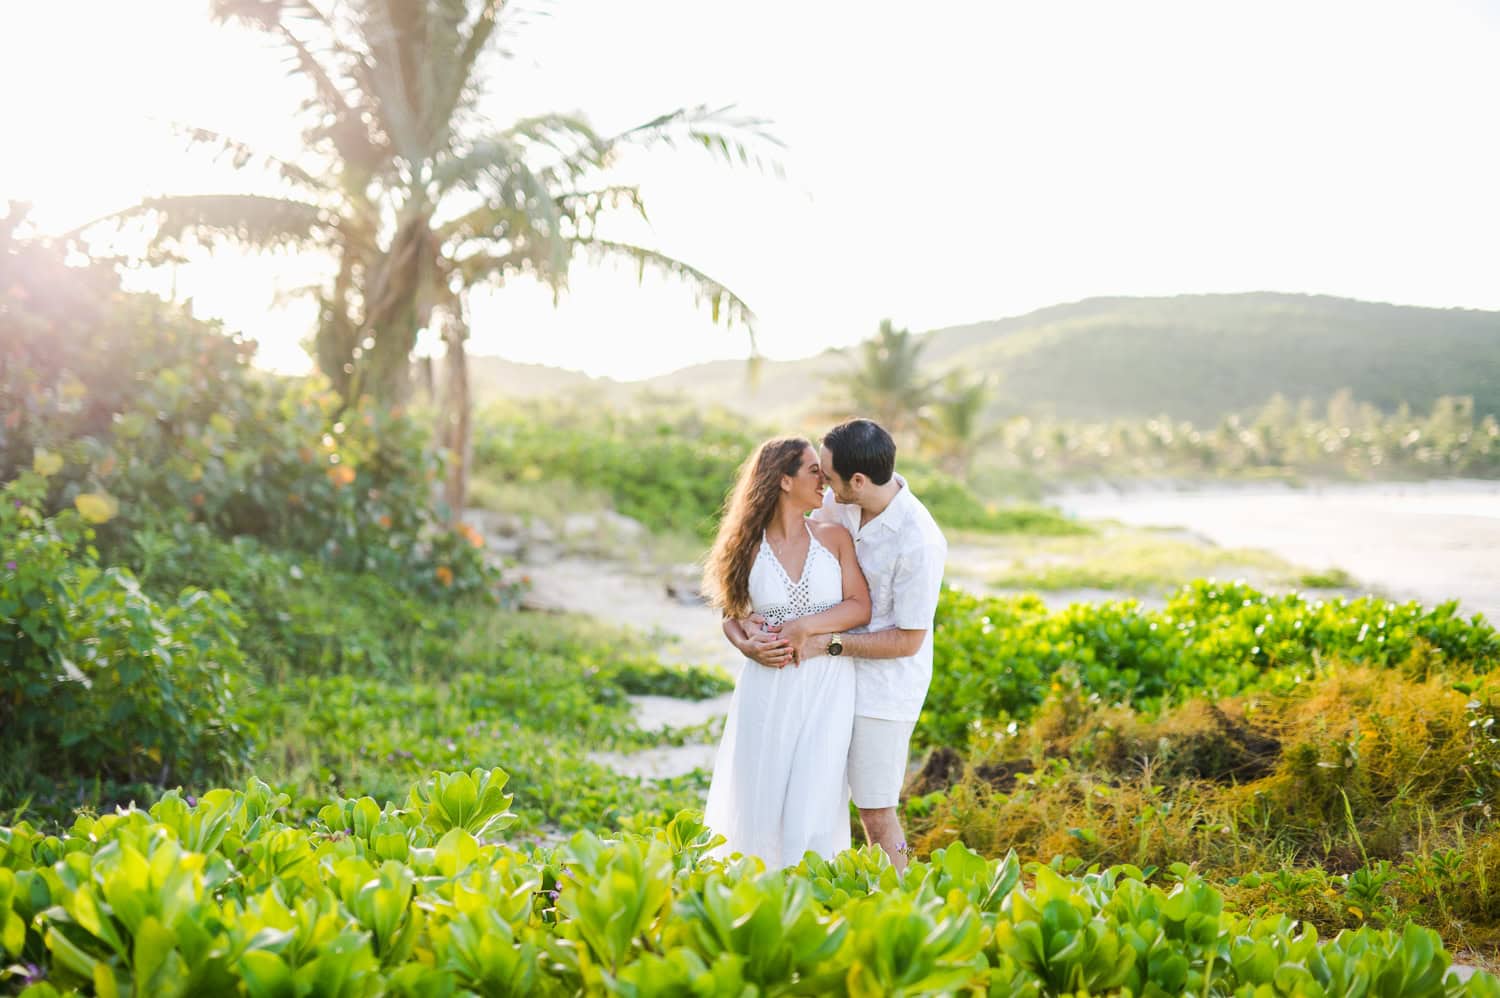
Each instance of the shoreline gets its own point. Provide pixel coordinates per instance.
(1431, 541)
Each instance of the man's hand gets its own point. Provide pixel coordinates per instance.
(802, 641)
(812, 646)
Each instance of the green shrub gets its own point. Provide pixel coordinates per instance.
(100, 681)
(223, 895)
(163, 416)
(994, 659)
(671, 468)
(300, 616)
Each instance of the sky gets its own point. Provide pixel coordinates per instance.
(945, 163)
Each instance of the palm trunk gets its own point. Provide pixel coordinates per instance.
(456, 412)
(395, 315)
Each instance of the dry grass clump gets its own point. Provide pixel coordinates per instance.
(1356, 768)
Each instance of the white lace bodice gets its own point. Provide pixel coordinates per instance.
(778, 597)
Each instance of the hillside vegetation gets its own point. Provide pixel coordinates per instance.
(1196, 357)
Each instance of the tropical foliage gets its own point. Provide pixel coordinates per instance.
(100, 681)
(414, 196)
(887, 383)
(996, 658)
(222, 895)
(1345, 439)
(954, 426)
(1359, 796)
(670, 466)
(162, 421)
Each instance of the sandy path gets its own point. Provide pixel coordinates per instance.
(608, 591)
(679, 632)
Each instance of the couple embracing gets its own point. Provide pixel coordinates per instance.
(834, 614)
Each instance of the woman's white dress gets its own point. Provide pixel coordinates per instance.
(779, 787)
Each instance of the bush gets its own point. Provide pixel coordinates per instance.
(163, 416)
(100, 681)
(994, 659)
(221, 894)
(671, 468)
(300, 616)
(1360, 796)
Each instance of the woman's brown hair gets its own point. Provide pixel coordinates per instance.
(747, 513)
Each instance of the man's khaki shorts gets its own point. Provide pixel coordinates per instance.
(877, 761)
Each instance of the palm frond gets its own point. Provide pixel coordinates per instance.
(448, 63)
(241, 155)
(265, 15)
(491, 221)
(580, 149)
(251, 220)
(496, 168)
(337, 109)
(485, 268)
(723, 133)
(723, 304)
(393, 29)
(586, 206)
(568, 134)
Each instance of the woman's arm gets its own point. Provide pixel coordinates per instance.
(854, 611)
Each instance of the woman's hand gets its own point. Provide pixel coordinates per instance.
(763, 644)
(795, 633)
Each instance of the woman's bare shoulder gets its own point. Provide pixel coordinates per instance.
(830, 534)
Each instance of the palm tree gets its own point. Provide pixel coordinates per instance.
(887, 383)
(417, 198)
(952, 427)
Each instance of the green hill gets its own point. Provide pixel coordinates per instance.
(1193, 357)
(1201, 356)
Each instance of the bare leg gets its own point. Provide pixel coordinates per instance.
(883, 827)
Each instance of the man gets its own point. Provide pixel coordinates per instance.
(902, 553)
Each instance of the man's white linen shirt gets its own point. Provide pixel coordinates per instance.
(902, 553)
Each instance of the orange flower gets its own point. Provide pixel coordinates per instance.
(385, 521)
(341, 475)
(445, 575)
(471, 535)
(198, 499)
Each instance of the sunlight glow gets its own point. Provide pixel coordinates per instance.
(958, 164)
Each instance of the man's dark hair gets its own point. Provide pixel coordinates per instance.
(861, 446)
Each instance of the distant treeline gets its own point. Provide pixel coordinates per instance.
(1344, 439)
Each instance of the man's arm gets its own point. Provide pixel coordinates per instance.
(893, 642)
(917, 582)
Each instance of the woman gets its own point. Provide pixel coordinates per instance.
(779, 786)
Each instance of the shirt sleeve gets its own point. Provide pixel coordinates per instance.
(917, 584)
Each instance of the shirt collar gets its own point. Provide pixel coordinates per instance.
(897, 511)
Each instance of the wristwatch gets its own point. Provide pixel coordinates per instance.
(836, 645)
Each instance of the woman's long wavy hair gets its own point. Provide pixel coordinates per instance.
(747, 513)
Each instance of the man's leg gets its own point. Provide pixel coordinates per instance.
(877, 769)
(883, 826)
